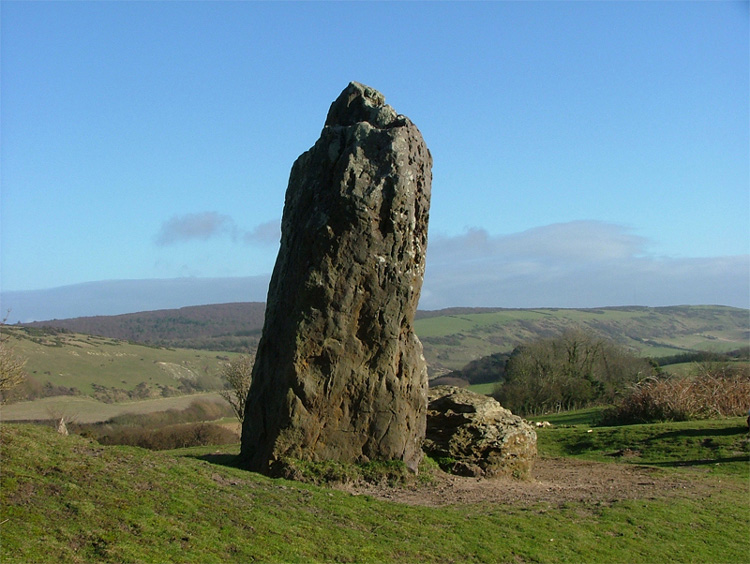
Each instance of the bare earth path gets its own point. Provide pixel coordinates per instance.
(555, 480)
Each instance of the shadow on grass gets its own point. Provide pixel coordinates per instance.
(725, 432)
(702, 462)
(589, 416)
(581, 446)
(230, 460)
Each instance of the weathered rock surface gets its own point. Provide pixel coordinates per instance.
(339, 373)
(483, 437)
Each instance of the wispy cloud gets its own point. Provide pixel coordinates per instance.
(573, 241)
(195, 226)
(577, 264)
(203, 226)
(267, 233)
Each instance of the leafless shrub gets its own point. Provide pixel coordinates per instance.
(62, 413)
(713, 391)
(12, 371)
(198, 410)
(237, 376)
(170, 437)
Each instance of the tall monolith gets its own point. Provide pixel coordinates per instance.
(339, 373)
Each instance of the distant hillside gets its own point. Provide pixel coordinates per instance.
(116, 297)
(231, 327)
(459, 336)
(59, 362)
(452, 337)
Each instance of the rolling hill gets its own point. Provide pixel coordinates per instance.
(451, 337)
(457, 337)
(232, 326)
(59, 362)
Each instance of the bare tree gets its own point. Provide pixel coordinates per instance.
(12, 371)
(61, 414)
(237, 376)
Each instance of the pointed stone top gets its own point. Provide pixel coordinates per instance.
(359, 103)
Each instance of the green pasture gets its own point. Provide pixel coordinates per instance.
(455, 357)
(82, 361)
(586, 417)
(68, 499)
(485, 389)
(451, 341)
(84, 409)
(695, 368)
(719, 446)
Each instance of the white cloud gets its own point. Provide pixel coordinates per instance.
(580, 264)
(201, 226)
(577, 264)
(268, 233)
(577, 241)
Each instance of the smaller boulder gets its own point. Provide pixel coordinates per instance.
(480, 435)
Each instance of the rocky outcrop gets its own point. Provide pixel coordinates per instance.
(339, 373)
(477, 435)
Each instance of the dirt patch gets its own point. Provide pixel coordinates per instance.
(554, 481)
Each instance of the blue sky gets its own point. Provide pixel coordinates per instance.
(585, 154)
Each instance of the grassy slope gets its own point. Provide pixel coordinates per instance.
(715, 447)
(451, 341)
(65, 499)
(80, 409)
(74, 360)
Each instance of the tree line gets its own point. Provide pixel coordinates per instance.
(574, 370)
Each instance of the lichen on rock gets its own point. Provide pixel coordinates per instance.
(478, 435)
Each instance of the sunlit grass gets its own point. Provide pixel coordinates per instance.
(66, 499)
(713, 446)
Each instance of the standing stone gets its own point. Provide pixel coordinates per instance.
(339, 373)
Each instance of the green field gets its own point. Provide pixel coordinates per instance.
(451, 341)
(85, 362)
(719, 446)
(84, 409)
(485, 389)
(451, 338)
(116, 371)
(68, 499)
